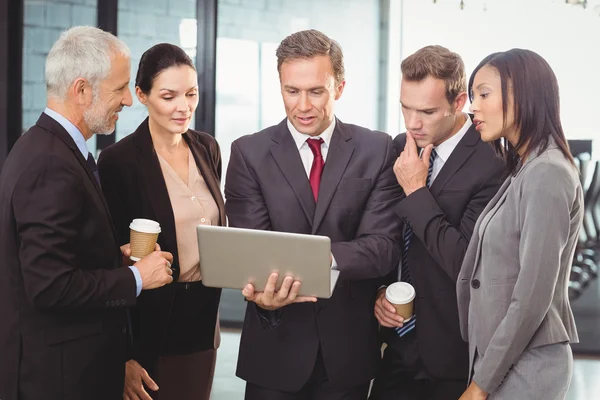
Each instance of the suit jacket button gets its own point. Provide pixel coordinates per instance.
(475, 283)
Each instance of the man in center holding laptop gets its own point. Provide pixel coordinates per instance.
(314, 174)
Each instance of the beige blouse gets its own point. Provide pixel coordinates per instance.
(193, 205)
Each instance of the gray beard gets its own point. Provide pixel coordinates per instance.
(96, 121)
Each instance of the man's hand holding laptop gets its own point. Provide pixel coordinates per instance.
(270, 299)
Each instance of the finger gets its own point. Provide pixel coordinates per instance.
(167, 255)
(380, 318)
(387, 305)
(149, 381)
(401, 158)
(294, 292)
(411, 146)
(126, 250)
(284, 290)
(157, 247)
(133, 396)
(270, 286)
(142, 394)
(386, 318)
(385, 322)
(404, 159)
(392, 316)
(248, 292)
(126, 397)
(426, 154)
(388, 311)
(305, 299)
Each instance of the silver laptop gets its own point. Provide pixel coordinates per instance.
(232, 257)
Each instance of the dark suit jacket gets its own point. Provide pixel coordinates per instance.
(178, 318)
(63, 291)
(443, 218)
(267, 188)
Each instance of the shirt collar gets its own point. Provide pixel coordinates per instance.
(71, 129)
(300, 138)
(446, 148)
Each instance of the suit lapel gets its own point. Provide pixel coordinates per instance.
(287, 157)
(457, 158)
(156, 188)
(209, 175)
(57, 129)
(487, 215)
(338, 157)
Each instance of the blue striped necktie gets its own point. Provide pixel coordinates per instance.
(405, 272)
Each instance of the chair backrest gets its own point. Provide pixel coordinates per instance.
(588, 232)
(593, 200)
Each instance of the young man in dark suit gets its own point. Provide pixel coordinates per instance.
(64, 290)
(314, 174)
(446, 186)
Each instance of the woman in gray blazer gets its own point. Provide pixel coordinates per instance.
(512, 290)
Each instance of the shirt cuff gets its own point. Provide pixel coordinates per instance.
(333, 262)
(138, 280)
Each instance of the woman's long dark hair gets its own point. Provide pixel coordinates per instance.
(536, 103)
(155, 60)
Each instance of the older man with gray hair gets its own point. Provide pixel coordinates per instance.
(64, 289)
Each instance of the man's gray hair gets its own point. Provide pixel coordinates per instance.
(81, 52)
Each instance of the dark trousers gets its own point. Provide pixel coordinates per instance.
(404, 377)
(318, 387)
(186, 376)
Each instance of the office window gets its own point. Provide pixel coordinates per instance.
(44, 20)
(566, 35)
(144, 23)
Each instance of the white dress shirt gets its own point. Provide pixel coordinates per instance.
(306, 153)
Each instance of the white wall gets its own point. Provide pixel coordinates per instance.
(567, 36)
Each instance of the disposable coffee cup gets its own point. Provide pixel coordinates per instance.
(401, 295)
(143, 234)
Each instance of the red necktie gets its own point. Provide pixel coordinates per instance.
(317, 166)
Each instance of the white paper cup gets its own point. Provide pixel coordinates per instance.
(401, 295)
(142, 237)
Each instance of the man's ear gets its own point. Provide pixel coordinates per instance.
(339, 89)
(459, 103)
(81, 91)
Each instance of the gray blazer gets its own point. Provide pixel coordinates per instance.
(512, 288)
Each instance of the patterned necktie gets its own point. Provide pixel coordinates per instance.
(317, 166)
(405, 271)
(93, 167)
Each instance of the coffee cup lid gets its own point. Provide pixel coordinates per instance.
(145, 225)
(400, 293)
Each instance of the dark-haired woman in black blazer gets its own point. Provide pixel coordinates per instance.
(168, 173)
